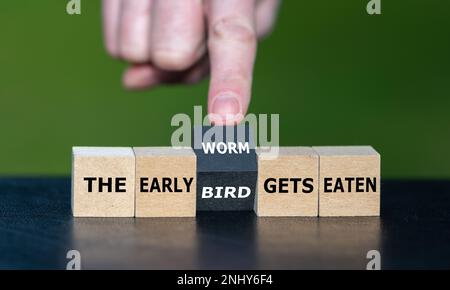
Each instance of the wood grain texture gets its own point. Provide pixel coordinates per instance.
(165, 162)
(102, 162)
(349, 162)
(292, 162)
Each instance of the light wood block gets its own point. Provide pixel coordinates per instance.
(165, 182)
(349, 181)
(103, 182)
(288, 185)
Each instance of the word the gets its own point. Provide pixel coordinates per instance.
(166, 184)
(272, 185)
(265, 128)
(116, 184)
(226, 148)
(350, 184)
(227, 191)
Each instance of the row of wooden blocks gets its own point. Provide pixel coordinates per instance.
(167, 182)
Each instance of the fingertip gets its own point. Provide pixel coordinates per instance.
(227, 120)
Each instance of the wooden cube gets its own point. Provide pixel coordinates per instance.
(103, 182)
(226, 168)
(288, 184)
(165, 182)
(349, 181)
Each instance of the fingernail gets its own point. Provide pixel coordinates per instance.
(226, 108)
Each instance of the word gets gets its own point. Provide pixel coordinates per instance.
(282, 185)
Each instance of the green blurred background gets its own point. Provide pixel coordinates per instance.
(336, 76)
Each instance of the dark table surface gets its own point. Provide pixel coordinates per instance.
(37, 230)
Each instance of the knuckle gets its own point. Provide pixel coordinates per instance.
(234, 28)
(133, 54)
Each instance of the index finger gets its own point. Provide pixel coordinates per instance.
(232, 48)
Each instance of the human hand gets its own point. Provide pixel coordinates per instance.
(181, 41)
